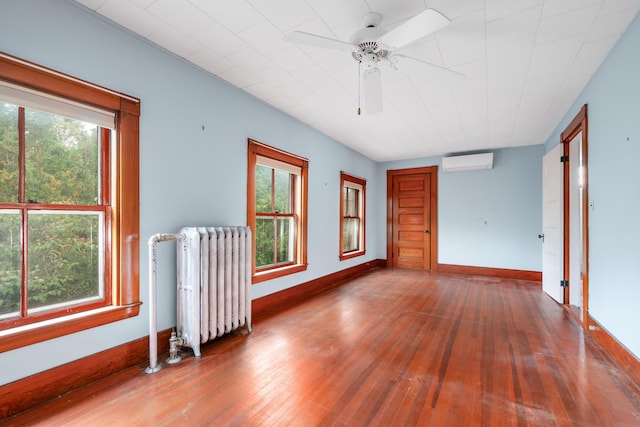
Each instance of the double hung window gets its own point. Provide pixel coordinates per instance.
(277, 211)
(67, 225)
(352, 216)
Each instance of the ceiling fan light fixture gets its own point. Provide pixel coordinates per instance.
(369, 61)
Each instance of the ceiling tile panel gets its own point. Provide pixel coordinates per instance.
(614, 6)
(291, 59)
(131, 17)
(566, 25)
(349, 11)
(311, 75)
(296, 90)
(92, 4)
(210, 61)
(219, 39)
(610, 25)
(555, 8)
(235, 16)
(463, 41)
(250, 60)
(276, 77)
(264, 37)
(456, 9)
(180, 14)
(284, 14)
(497, 9)
(513, 27)
(239, 77)
(144, 3)
(176, 42)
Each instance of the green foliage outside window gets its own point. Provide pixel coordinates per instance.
(274, 234)
(64, 248)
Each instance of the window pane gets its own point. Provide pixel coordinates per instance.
(263, 189)
(265, 240)
(283, 191)
(64, 258)
(61, 159)
(285, 240)
(350, 201)
(350, 241)
(9, 169)
(10, 263)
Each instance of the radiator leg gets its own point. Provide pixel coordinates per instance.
(248, 323)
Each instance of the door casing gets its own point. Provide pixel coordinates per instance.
(578, 125)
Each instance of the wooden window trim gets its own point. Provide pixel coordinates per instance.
(124, 228)
(254, 150)
(345, 177)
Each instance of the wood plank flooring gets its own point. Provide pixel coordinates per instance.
(390, 348)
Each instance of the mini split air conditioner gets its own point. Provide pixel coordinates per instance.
(470, 162)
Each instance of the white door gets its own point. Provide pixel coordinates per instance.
(552, 223)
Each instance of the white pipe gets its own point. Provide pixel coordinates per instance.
(153, 327)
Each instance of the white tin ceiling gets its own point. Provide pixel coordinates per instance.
(526, 61)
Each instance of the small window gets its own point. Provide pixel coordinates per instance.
(352, 216)
(68, 224)
(276, 211)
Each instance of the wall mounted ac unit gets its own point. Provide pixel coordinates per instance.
(470, 162)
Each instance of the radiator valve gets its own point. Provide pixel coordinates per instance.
(174, 344)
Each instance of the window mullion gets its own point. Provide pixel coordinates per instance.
(24, 297)
(21, 156)
(275, 240)
(24, 290)
(104, 162)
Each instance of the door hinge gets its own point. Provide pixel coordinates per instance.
(564, 159)
(564, 283)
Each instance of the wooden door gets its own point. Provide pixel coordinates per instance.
(413, 225)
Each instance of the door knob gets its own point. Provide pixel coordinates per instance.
(541, 236)
(426, 231)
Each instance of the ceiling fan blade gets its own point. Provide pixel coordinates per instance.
(315, 40)
(372, 89)
(415, 28)
(418, 68)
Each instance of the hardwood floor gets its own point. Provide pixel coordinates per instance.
(390, 348)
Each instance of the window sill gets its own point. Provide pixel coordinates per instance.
(350, 255)
(278, 272)
(22, 336)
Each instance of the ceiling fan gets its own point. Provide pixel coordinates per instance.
(372, 47)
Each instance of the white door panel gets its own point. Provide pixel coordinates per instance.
(552, 223)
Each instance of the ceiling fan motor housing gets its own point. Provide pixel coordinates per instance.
(368, 53)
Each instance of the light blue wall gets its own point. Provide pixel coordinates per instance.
(195, 176)
(613, 98)
(189, 176)
(488, 218)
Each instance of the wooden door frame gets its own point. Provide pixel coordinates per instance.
(433, 171)
(579, 124)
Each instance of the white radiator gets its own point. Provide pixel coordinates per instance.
(214, 283)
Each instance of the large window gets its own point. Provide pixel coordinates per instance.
(68, 223)
(352, 216)
(276, 211)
